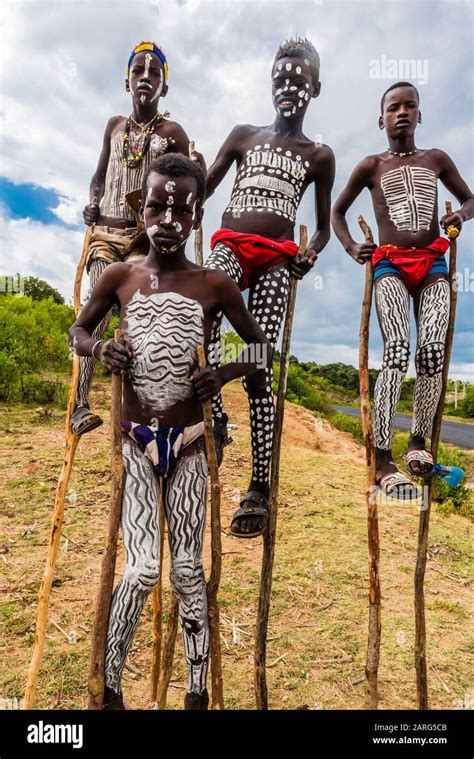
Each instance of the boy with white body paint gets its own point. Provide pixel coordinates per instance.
(409, 260)
(275, 166)
(167, 308)
(130, 145)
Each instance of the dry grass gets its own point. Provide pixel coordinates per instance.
(318, 622)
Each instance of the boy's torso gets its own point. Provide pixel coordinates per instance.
(165, 317)
(405, 198)
(121, 179)
(273, 172)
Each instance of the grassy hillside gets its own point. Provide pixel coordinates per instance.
(318, 622)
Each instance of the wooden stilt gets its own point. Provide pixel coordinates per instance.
(375, 605)
(424, 521)
(58, 512)
(104, 597)
(260, 679)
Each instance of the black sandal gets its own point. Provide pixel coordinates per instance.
(260, 509)
(83, 420)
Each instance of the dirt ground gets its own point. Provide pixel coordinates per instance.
(318, 623)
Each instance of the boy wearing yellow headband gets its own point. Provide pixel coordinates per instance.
(130, 145)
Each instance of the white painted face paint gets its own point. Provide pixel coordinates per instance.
(298, 69)
(170, 185)
(293, 110)
(293, 88)
(142, 99)
(147, 64)
(168, 217)
(286, 113)
(288, 66)
(306, 97)
(151, 231)
(300, 93)
(170, 200)
(300, 104)
(280, 66)
(159, 89)
(177, 226)
(194, 207)
(149, 192)
(306, 60)
(189, 198)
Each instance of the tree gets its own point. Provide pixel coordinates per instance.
(38, 289)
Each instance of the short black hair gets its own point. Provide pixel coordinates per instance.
(395, 87)
(176, 165)
(300, 47)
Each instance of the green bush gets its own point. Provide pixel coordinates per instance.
(466, 406)
(32, 342)
(351, 424)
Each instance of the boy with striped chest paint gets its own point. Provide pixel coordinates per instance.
(275, 166)
(130, 145)
(167, 308)
(409, 260)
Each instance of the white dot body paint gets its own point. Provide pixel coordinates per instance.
(300, 93)
(288, 66)
(170, 200)
(293, 110)
(293, 88)
(298, 69)
(306, 97)
(306, 60)
(177, 226)
(142, 99)
(189, 198)
(286, 113)
(300, 104)
(194, 207)
(280, 66)
(168, 217)
(170, 185)
(150, 190)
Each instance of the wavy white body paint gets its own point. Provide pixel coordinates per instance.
(164, 330)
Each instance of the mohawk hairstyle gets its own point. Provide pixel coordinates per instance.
(395, 87)
(176, 165)
(300, 47)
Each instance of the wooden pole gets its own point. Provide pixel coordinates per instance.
(420, 623)
(260, 679)
(216, 552)
(198, 233)
(375, 605)
(104, 597)
(58, 511)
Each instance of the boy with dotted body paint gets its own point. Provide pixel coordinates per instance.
(129, 146)
(275, 166)
(408, 261)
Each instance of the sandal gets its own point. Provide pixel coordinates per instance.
(259, 509)
(391, 483)
(83, 420)
(420, 457)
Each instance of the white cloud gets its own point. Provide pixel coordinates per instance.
(69, 79)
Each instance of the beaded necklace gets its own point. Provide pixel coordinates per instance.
(133, 154)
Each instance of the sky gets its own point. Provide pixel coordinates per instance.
(62, 78)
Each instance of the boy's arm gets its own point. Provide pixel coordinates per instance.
(96, 190)
(359, 179)
(323, 183)
(453, 181)
(114, 356)
(258, 353)
(228, 153)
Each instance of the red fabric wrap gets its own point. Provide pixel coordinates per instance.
(414, 263)
(254, 252)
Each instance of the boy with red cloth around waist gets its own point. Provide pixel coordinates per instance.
(408, 261)
(275, 166)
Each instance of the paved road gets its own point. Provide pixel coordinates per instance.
(457, 433)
